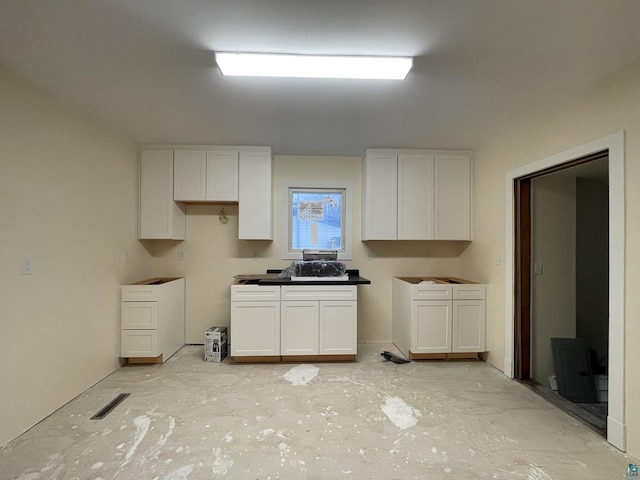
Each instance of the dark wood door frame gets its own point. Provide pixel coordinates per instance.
(523, 262)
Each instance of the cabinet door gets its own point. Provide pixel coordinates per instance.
(222, 176)
(415, 196)
(255, 329)
(468, 325)
(160, 216)
(431, 326)
(452, 201)
(190, 171)
(299, 328)
(255, 208)
(379, 196)
(338, 327)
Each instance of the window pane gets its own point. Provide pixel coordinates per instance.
(316, 219)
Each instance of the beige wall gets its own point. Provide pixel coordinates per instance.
(553, 299)
(68, 196)
(612, 106)
(213, 253)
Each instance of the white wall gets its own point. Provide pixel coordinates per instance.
(68, 196)
(592, 266)
(612, 106)
(553, 305)
(214, 254)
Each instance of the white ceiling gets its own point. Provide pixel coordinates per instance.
(146, 66)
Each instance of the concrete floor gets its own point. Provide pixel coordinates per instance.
(189, 419)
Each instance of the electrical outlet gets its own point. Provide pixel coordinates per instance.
(537, 269)
(181, 255)
(125, 257)
(27, 265)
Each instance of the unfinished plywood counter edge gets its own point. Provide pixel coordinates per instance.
(152, 319)
(438, 317)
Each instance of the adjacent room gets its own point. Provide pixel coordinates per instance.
(210, 270)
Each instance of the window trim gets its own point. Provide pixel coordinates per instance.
(347, 241)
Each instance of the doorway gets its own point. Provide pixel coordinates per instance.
(518, 277)
(562, 220)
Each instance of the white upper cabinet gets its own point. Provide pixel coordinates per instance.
(416, 195)
(452, 213)
(222, 176)
(160, 216)
(206, 176)
(379, 196)
(255, 196)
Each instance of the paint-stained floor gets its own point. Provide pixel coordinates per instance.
(371, 419)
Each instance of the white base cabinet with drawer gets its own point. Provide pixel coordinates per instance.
(432, 319)
(152, 319)
(274, 323)
(255, 321)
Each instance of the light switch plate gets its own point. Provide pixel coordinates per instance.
(27, 265)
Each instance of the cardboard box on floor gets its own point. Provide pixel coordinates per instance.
(215, 344)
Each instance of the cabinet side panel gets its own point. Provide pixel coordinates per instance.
(402, 316)
(171, 317)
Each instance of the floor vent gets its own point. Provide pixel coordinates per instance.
(110, 406)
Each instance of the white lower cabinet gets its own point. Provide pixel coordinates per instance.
(468, 325)
(431, 326)
(255, 321)
(299, 328)
(152, 318)
(255, 329)
(438, 318)
(307, 320)
(338, 327)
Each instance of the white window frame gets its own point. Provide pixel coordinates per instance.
(287, 186)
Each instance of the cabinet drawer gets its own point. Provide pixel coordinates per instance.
(319, 292)
(431, 292)
(139, 293)
(469, 291)
(139, 315)
(254, 293)
(139, 343)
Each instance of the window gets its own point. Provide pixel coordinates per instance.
(315, 218)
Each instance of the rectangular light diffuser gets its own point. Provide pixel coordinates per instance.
(313, 66)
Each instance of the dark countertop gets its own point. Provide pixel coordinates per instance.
(272, 279)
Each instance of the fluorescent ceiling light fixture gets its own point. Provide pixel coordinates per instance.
(313, 66)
